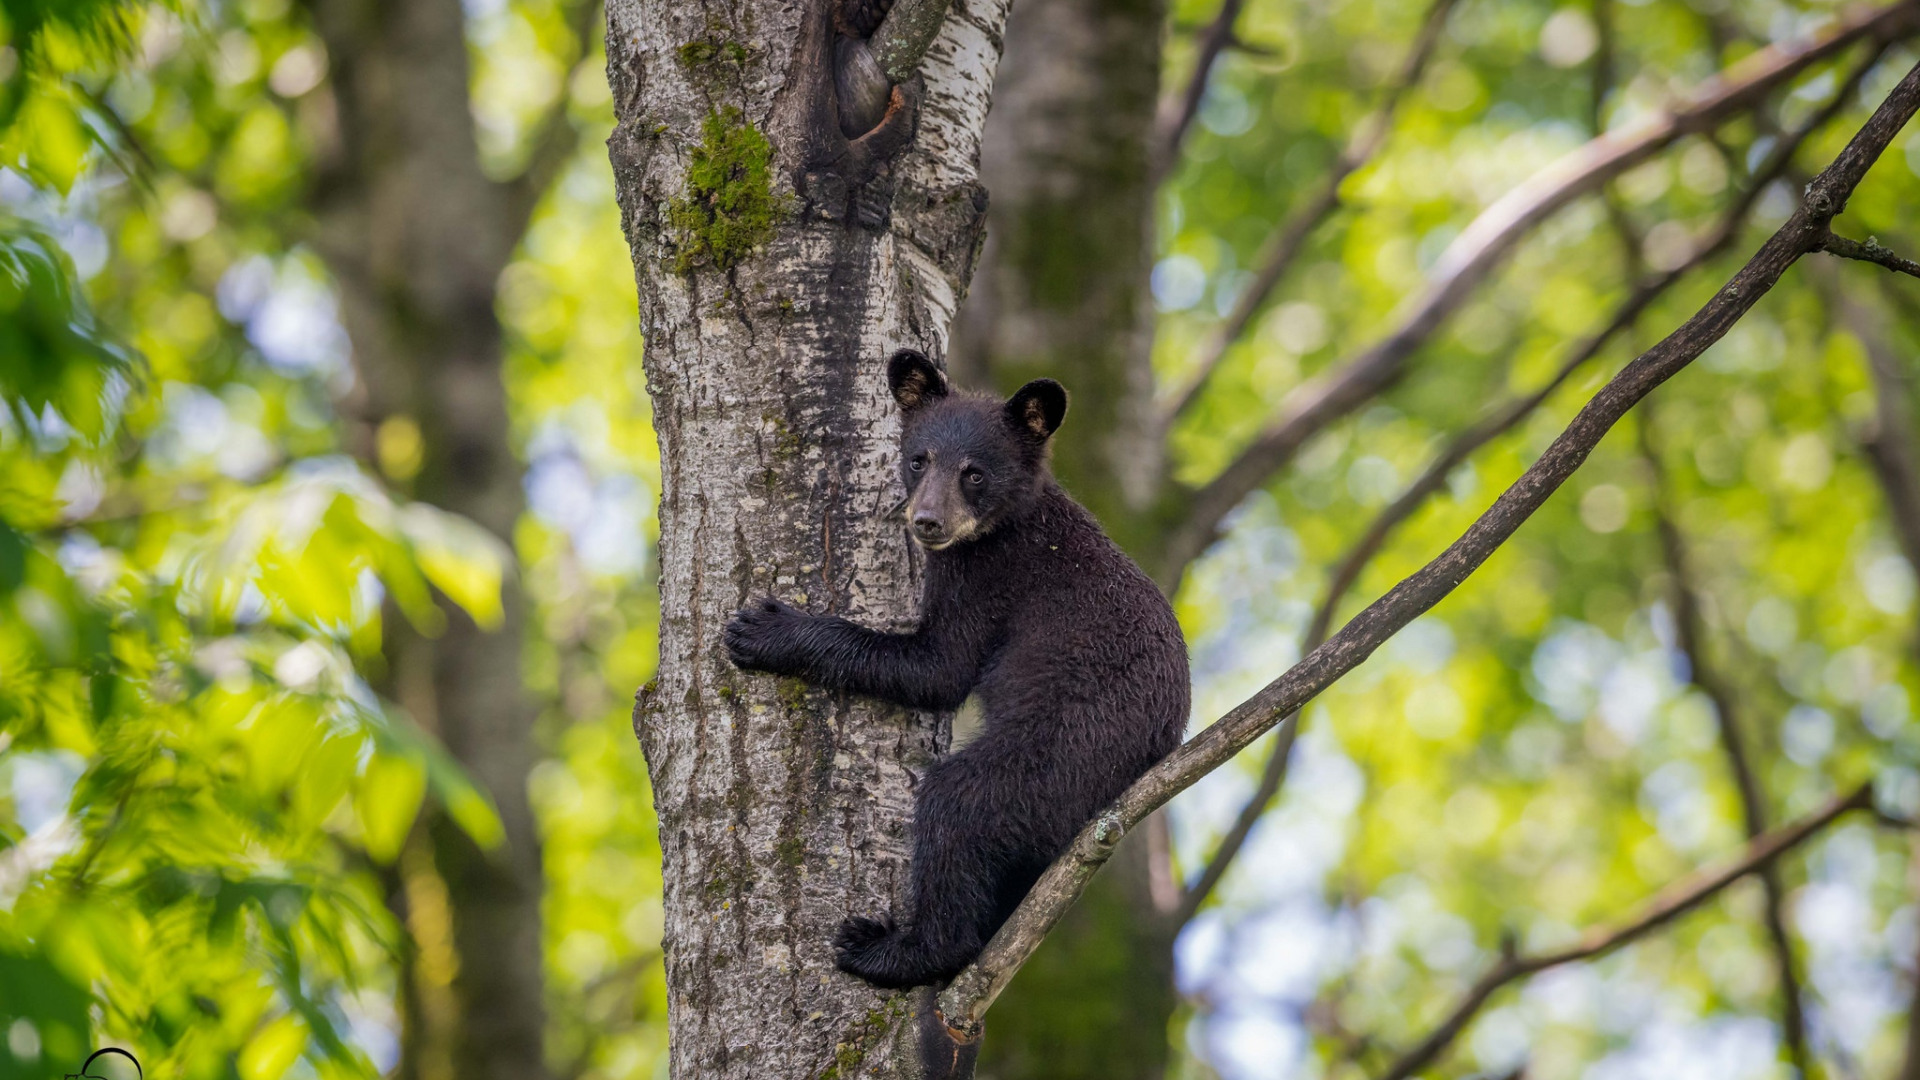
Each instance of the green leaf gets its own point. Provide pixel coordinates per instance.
(274, 1049)
(52, 352)
(34, 989)
(464, 561)
(391, 790)
(466, 804)
(13, 559)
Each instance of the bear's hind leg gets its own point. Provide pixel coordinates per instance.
(956, 893)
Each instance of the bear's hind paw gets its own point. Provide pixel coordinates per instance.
(859, 934)
(875, 950)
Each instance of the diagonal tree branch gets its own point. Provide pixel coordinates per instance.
(1872, 252)
(557, 137)
(1667, 906)
(964, 1003)
(1474, 255)
(1690, 627)
(1283, 246)
(1170, 127)
(1497, 423)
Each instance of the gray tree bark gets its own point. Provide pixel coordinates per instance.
(416, 236)
(778, 266)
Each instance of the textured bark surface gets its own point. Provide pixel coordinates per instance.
(416, 236)
(782, 809)
(1062, 292)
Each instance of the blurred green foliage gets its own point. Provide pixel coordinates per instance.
(205, 786)
(1529, 758)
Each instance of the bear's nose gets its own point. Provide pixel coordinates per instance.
(927, 527)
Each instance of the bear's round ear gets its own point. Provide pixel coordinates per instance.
(1037, 408)
(915, 381)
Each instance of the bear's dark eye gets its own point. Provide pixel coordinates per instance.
(917, 464)
(975, 476)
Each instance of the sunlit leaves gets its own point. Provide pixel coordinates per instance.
(45, 127)
(56, 367)
(198, 782)
(320, 546)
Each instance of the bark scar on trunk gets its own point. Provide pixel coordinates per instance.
(849, 116)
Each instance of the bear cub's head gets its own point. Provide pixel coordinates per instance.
(970, 461)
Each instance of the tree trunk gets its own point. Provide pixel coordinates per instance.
(416, 236)
(1062, 292)
(778, 265)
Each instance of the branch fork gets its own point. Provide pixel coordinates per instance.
(1871, 251)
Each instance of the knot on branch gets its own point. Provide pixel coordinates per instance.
(644, 707)
(1820, 203)
(1108, 829)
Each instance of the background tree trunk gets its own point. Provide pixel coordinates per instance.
(1062, 292)
(782, 808)
(416, 236)
(1062, 286)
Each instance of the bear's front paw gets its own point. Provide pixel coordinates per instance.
(758, 635)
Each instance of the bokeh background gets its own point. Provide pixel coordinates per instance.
(216, 812)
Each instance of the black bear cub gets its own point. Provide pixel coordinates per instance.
(1076, 659)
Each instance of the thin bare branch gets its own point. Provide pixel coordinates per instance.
(1893, 445)
(1283, 246)
(1669, 905)
(1690, 628)
(1497, 423)
(1910, 1059)
(1170, 128)
(1473, 256)
(1602, 74)
(1872, 252)
(965, 1002)
(557, 137)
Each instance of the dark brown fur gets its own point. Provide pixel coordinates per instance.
(1075, 657)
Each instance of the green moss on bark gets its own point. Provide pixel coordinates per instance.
(728, 207)
(708, 51)
(867, 1034)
